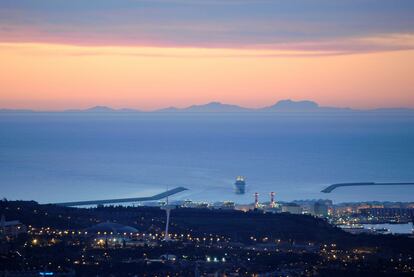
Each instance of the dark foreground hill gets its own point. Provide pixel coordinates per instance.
(206, 243)
(237, 225)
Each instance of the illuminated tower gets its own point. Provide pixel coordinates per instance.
(272, 200)
(256, 200)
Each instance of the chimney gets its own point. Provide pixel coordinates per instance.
(256, 200)
(272, 200)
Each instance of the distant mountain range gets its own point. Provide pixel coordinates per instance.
(282, 106)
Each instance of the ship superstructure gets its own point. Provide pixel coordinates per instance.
(240, 185)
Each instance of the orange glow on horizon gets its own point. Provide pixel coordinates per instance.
(52, 77)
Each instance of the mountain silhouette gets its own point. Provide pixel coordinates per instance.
(208, 108)
(290, 105)
(282, 106)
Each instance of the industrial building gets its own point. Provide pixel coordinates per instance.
(320, 209)
(291, 208)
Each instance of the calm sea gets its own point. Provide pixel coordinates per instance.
(62, 157)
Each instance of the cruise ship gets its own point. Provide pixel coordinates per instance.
(240, 185)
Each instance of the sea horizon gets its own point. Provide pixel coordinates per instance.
(105, 156)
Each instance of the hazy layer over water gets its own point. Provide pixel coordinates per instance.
(63, 157)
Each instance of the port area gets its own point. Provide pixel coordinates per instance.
(128, 241)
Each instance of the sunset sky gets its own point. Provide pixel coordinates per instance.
(148, 54)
